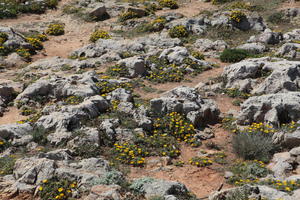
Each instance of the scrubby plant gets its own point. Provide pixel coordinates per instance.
(247, 172)
(87, 151)
(216, 2)
(236, 93)
(277, 17)
(178, 31)
(3, 145)
(168, 4)
(39, 135)
(254, 142)
(55, 29)
(200, 161)
(35, 43)
(74, 100)
(6, 165)
(233, 55)
(118, 71)
(179, 163)
(25, 53)
(137, 185)
(237, 16)
(127, 15)
(282, 185)
(152, 7)
(198, 55)
(154, 26)
(3, 37)
(239, 5)
(57, 188)
(110, 178)
(99, 34)
(106, 86)
(4, 51)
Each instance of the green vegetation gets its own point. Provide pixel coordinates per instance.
(178, 31)
(55, 29)
(233, 55)
(12, 8)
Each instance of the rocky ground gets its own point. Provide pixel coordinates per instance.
(149, 99)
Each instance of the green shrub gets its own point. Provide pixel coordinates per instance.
(198, 55)
(99, 34)
(35, 43)
(277, 17)
(246, 172)
(157, 198)
(57, 188)
(251, 146)
(237, 16)
(110, 178)
(137, 185)
(127, 15)
(3, 37)
(55, 29)
(216, 2)
(39, 135)
(118, 71)
(6, 165)
(3, 145)
(87, 151)
(178, 31)
(233, 55)
(168, 4)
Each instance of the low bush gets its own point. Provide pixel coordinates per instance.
(118, 71)
(57, 188)
(6, 165)
(99, 34)
(255, 143)
(168, 4)
(178, 31)
(55, 29)
(237, 16)
(233, 55)
(200, 161)
(277, 18)
(127, 15)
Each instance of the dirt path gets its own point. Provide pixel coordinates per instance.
(12, 116)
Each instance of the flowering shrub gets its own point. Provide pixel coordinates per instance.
(55, 29)
(3, 37)
(216, 2)
(154, 26)
(285, 186)
(118, 71)
(176, 125)
(197, 55)
(236, 93)
(3, 51)
(56, 188)
(237, 16)
(168, 3)
(107, 87)
(178, 31)
(35, 43)
(25, 53)
(3, 145)
(179, 163)
(200, 161)
(127, 15)
(99, 34)
(73, 100)
(246, 172)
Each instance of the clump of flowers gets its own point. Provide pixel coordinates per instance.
(3, 37)
(176, 125)
(178, 31)
(179, 163)
(172, 73)
(130, 154)
(198, 55)
(25, 53)
(237, 16)
(55, 29)
(236, 93)
(127, 15)
(99, 34)
(56, 188)
(3, 145)
(35, 43)
(285, 186)
(3, 50)
(106, 86)
(73, 100)
(168, 4)
(118, 71)
(200, 161)
(41, 37)
(247, 172)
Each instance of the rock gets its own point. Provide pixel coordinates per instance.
(15, 131)
(267, 37)
(209, 45)
(136, 66)
(289, 50)
(282, 164)
(121, 95)
(274, 75)
(138, 11)
(59, 154)
(32, 170)
(187, 101)
(103, 192)
(14, 60)
(256, 48)
(228, 175)
(272, 108)
(100, 13)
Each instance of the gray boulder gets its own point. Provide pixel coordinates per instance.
(272, 108)
(135, 65)
(255, 48)
(267, 37)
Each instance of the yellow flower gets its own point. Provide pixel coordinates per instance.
(60, 189)
(45, 181)
(40, 188)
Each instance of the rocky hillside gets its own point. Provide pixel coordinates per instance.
(149, 100)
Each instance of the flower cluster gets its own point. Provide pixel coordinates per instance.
(3, 145)
(127, 15)
(172, 73)
(178, 126)
(168, 4)
(200, 161)
(285, 186)
(107, 86)
(55, 188)
(236, 93)
(31, 119)
(118, 71)
(3, 37)
(130, 154)
(35, 43)
(73, 100)
(247, 172)
(198, 55)
(99, 34)
(25, 53)
(55, 29)
(237, 16)
(115, 104)
(179, 163)
(178, 31)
